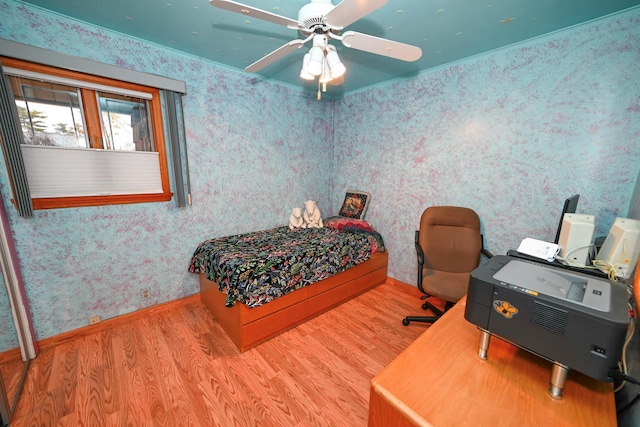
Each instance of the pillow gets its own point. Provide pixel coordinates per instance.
(355, 204)
(340, 223)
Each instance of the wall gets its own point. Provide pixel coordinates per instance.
(634, 208)
(256, 150)
(8, 334)
(510, 133)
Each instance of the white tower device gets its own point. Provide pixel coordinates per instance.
(621, 248)
(576, 235)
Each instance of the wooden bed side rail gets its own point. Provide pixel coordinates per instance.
(248, 327)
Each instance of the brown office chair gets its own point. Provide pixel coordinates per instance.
(449, 246)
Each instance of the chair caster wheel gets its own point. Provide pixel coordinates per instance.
(405, 322)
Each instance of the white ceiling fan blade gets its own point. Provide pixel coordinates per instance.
(255, 13)
(277, 54)
(349, 11)
(379, 46)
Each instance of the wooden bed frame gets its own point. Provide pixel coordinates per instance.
(248, 327)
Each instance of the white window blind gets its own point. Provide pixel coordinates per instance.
(71, 172)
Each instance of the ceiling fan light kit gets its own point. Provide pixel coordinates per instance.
(321, 20)
(316, 58)
(304, 74)
(335, 65)
(325, 77)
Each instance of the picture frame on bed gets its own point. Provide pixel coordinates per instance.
(355, 204)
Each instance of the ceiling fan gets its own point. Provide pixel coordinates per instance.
(320, 21)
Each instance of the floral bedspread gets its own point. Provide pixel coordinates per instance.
(255, 268)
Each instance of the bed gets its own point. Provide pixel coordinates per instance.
(260, 284)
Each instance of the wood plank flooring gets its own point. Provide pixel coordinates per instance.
(11, 371)
(178, 368)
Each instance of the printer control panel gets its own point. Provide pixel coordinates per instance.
(520, 289)
(534, 280)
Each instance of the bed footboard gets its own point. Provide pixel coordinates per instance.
(248, 327)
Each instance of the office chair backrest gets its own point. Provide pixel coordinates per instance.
(450, 238)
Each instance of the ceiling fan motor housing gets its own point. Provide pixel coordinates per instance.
(311, 15)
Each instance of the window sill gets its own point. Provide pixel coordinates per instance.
(76, 202)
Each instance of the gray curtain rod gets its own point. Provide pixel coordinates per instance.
(55, 59)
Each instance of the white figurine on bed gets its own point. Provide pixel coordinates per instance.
(312, 217)
(295, 220)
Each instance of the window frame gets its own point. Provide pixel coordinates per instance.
(157, 127)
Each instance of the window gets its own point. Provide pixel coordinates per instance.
(88, 140)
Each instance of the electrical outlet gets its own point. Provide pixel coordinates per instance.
(93, 320)
(144, 294)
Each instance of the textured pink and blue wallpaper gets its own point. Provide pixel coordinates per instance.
(510, 133)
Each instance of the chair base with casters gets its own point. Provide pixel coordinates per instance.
(428, 319)
(449, 246)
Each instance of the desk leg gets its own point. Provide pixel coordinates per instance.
(558, 379)
(485, 337)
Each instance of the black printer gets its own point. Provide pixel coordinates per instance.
(577, 321)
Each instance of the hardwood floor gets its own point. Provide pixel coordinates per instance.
(177, 368)
(11, 371)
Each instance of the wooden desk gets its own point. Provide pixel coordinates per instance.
(439, 380)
